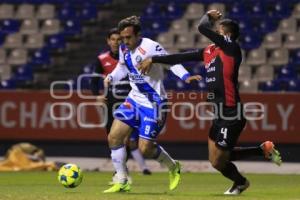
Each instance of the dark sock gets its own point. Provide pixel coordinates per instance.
(230, 171)
(240, 153)
(128, 151)
(127, 157)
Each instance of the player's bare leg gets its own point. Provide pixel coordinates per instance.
(220, 160)
(151, 149)
(138, 157)
(116, 140)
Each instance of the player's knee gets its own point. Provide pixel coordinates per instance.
(146, 151)
(113, 140)
(110, 139)
(217, 163)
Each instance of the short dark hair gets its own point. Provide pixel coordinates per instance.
(231, 27)
(112, 31)
(133, 21)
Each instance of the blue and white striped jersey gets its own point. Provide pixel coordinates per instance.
(146, 89)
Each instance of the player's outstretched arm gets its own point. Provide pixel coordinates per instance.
(171, 59)
(205, 26)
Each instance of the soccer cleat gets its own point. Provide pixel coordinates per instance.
(174, 176)
(271, 153)
(147, 172)
(118, 187)
(237, 189)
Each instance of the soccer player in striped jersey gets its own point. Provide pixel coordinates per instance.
(105, 63)
(144, 106)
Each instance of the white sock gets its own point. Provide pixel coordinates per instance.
(165, 159)
(118, 157)
(137, 156)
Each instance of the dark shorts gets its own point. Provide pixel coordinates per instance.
(226, 133)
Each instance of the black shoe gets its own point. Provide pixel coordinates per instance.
(147, 172)
(237, 189)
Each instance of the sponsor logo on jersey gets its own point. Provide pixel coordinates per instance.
(106, 64)
(138, 59)
(211, 69)
(208, 80)
(223, 143)
(147, 119)
(136, 78)
(153, 133)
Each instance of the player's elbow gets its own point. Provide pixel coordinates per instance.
(201, 28)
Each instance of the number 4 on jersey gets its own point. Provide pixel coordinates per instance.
(224, 133)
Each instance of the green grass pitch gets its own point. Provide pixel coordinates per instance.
(200, 186)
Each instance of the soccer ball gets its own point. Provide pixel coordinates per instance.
(70, 175)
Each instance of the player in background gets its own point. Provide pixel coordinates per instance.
(142, 108)
(222, 60)
(116, 94)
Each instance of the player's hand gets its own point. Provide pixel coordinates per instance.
(107, 81)
(214, 15)
(145, 66)
(193, 78)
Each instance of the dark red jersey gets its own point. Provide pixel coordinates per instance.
(222, 75)
(108, 63)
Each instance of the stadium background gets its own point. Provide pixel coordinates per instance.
(42, 41)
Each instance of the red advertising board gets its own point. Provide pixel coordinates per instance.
(26, 115)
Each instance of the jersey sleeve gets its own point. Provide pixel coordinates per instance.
(177, 69)
(196, 55)
(118, 73)
(224, 42)
(180, 71)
